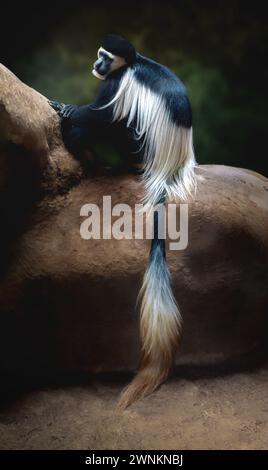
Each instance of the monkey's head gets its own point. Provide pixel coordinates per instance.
(114, 53)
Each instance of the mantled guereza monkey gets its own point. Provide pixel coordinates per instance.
(152, 106)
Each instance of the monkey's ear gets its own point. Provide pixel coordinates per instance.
(119, 46)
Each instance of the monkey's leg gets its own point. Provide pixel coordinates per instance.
(79, 142)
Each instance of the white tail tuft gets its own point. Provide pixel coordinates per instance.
(160, 328)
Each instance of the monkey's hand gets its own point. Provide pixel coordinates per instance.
(64, 110)
(56, 106)
(67, 110)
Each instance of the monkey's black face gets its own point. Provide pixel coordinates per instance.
(103, 64)
(106, 63)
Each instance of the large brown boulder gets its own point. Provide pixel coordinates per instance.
(68, 304)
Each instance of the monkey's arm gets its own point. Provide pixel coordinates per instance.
(97, 112)
(82, 116)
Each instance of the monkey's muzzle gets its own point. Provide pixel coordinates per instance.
(101, 67)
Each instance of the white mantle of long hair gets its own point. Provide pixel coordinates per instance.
(169, 158)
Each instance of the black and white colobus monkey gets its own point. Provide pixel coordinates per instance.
(151, 105)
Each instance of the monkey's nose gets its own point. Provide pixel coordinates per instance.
(97, 64)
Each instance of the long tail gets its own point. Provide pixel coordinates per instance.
(160, 324)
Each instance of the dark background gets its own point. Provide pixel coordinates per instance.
(219, 50)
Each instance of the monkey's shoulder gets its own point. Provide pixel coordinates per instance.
(166, 84)
(158, 77)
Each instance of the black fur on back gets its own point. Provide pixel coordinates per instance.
(162, 81)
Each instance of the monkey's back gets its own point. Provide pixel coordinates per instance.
(166, 84)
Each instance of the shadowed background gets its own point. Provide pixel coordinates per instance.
(218, 49)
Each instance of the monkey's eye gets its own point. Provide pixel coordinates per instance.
(105, 57)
